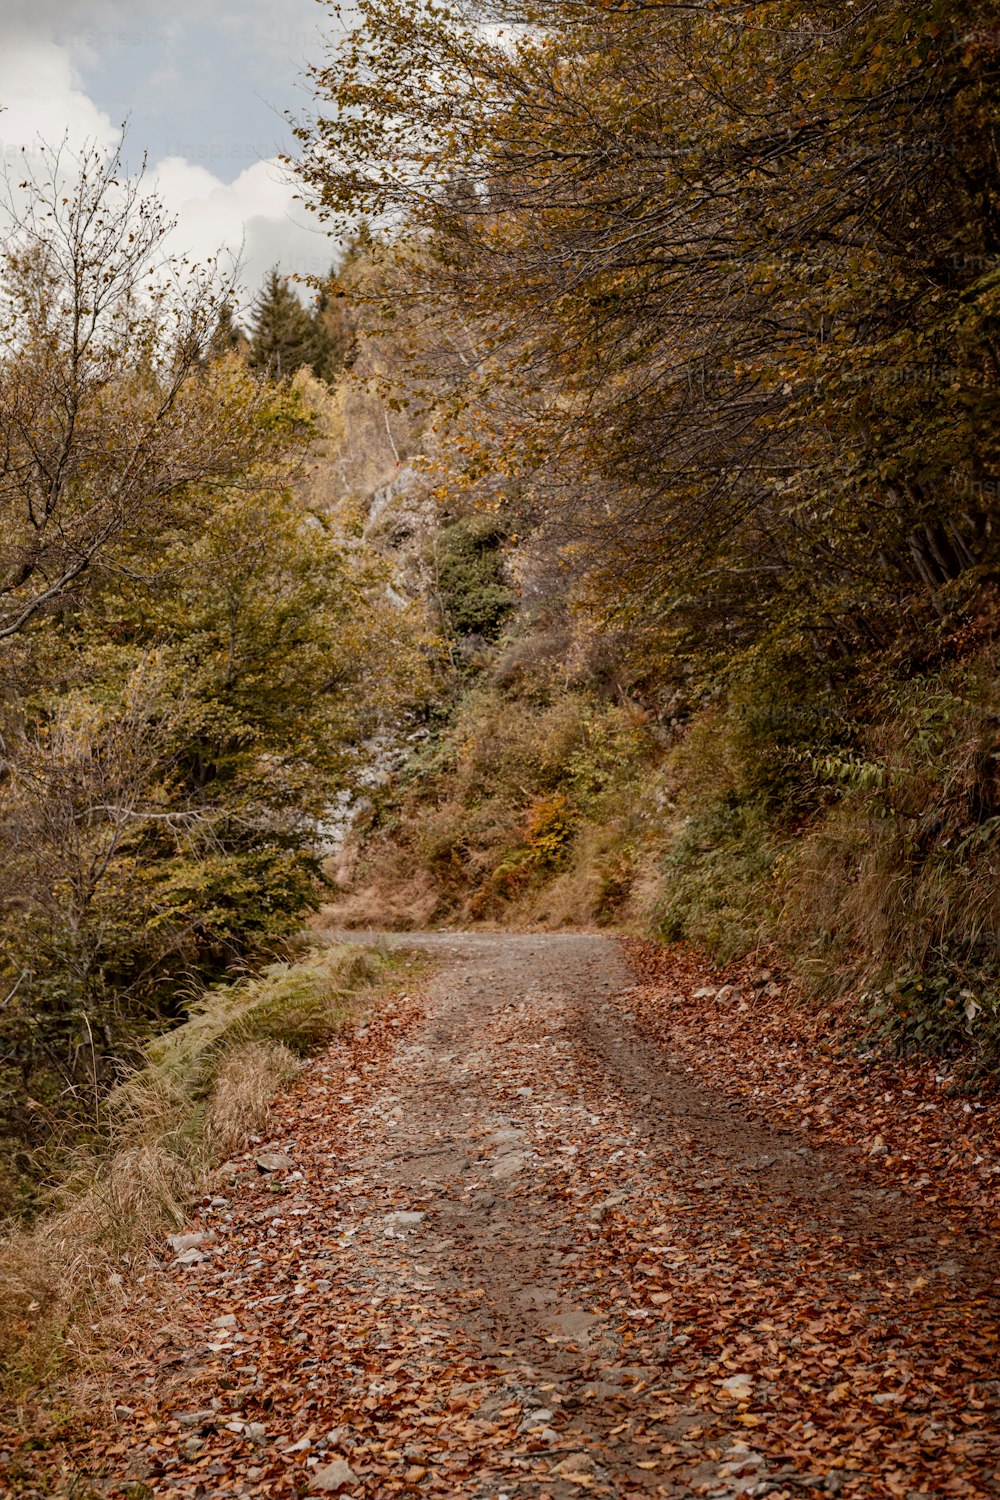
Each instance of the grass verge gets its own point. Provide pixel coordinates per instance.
(206, 1087)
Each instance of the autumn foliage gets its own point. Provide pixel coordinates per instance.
(705, 299)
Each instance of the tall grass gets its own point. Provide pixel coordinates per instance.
(206, 1087)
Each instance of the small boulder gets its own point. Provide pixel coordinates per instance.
(272, 1161)
(180, 1242)
(190, 1258)
(878, 1147)
(333, 1477)
(740, 1387)
(575, 1464)
(403, 1219)
(536, 1419)
(509, 1165)
(196, 1418)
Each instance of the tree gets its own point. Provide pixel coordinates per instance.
(108, 415)
(191, 662)
(228, 337)
(284, 336)
(160, 816)
(732, 278)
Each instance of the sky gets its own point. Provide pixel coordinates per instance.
(204, 85)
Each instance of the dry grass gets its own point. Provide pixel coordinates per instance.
(240, 1103)
(208, 1085)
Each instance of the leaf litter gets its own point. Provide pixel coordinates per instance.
(533, 1242)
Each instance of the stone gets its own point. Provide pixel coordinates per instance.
(121, 1412)
(728, 995)
(195, 1418)
(333, 1477)
(878, 1147)
(707, 992)
(740, 1387)
(178, 1243)
(228, 1321)
(256, 1432)
(575, 1463)
(509, 1165)
(404, 1219)
(536, 1419)
(273, 1161)
(190, 1258)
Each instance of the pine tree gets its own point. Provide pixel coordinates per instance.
(228, 337)
(284, 335)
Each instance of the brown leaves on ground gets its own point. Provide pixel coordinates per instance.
(527, 1247)
(815, 1071)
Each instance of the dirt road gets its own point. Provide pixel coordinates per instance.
(514, 1254)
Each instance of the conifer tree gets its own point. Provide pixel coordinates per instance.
(228, 337)
(284, 335)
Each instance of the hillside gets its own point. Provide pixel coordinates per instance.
(706, 367)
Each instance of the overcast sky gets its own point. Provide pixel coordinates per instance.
(204, 85)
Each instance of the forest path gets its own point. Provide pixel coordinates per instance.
(515, 1253)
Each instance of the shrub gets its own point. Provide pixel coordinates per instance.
(717, 878)
(472, 587)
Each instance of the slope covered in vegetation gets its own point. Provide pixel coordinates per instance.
(702, 305)
(192, 654)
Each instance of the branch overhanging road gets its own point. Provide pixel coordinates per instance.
(515, 1253)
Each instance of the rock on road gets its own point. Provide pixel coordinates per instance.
(508, 1252)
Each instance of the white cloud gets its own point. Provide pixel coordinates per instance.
(256, 217)
(44, 98)
(41, 99)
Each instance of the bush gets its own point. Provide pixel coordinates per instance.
(717, 879)
(471, 582)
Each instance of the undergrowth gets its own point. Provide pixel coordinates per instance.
(206, 1087)
(852, 824)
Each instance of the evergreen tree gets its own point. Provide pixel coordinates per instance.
(335, 316)
(228, 337)
(284, 335)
